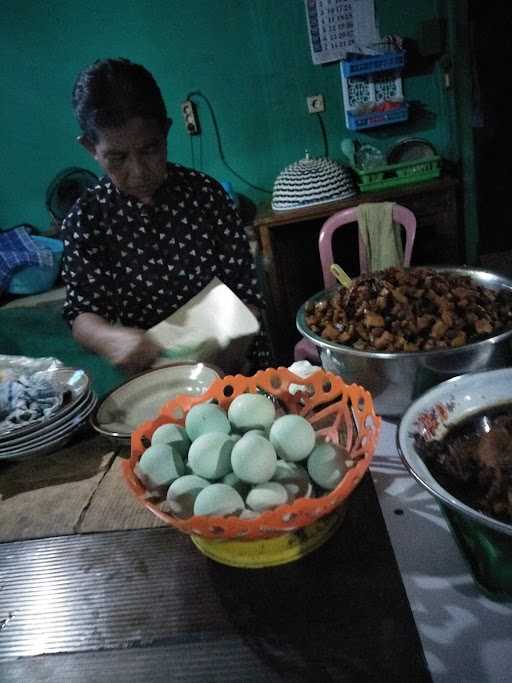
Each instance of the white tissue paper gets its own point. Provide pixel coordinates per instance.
(214, 326)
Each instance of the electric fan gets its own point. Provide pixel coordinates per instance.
(66, 188)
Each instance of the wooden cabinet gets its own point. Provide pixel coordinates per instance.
(287, 243)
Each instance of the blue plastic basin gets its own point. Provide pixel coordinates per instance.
(36, 279)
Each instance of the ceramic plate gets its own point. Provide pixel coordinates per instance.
(46, 428)
(44, 449)
(141, 398)
(71, 384)
(46, 443)
(411, 149)
(67, 425)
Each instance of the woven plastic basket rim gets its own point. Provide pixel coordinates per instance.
(329, 390)
(378, 115)
(373, 63)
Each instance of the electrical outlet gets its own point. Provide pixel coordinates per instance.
(190, 117)
(315, 104)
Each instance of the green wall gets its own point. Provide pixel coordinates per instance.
(249, 57)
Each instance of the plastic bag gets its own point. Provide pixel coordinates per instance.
(25, 399)
(15, 366)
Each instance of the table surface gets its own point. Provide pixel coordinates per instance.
(93, 592)
(164, 608)
(465, 635)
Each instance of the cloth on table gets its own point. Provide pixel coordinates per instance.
(17, 249)
(380, 235)
(26, 399)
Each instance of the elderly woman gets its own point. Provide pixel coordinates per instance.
(151, 234)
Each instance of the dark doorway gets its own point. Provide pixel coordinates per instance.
(491, 40)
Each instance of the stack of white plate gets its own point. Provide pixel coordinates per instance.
(51, 432)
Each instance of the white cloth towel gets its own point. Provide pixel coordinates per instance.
(381, 236)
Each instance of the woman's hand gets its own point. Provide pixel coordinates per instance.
(128, 348)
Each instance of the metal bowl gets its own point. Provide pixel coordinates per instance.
(485, 542)
(396, 379)
(431, 416)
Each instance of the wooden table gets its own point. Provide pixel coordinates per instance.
(77, 489)
(288, 248)
(94, 588)
(466, 637)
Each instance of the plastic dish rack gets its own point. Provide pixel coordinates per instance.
(372, 90)
(395, 175)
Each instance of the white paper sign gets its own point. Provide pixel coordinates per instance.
(340, 26)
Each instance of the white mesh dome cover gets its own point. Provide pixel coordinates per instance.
(312, 181)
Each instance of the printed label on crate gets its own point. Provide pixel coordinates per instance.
(374, 98)
(337, 27)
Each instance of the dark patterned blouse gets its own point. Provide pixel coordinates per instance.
(136, 263)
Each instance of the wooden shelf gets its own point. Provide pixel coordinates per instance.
(287, 248)
(266, 216)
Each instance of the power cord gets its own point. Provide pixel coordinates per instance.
(198, 93)
(324, 134)
(192, 155)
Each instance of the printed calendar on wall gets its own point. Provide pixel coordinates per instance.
(340, 26)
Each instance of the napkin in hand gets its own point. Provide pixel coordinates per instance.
(214, 326)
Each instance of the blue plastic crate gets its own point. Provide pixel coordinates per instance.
(377, 118)
(357, 66)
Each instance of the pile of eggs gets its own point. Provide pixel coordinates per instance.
(242, 462)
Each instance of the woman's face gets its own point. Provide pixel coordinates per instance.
(134, 156)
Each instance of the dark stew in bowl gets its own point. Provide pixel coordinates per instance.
(473, 461)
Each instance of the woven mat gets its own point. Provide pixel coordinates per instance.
(77, 489)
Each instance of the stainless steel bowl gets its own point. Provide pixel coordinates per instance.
(396, 379)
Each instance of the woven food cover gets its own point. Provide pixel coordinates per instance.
(312, 181)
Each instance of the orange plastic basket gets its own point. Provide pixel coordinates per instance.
(342, 413)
